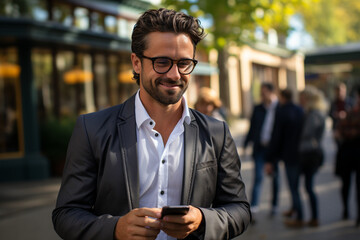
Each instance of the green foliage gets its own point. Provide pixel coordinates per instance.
(332, 22)
(236, 20)
(55, 136)
(275, 14)
(227, 17)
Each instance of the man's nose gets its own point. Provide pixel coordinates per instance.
(173, 73)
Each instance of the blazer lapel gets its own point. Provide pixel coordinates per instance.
(128, 149)
(190, 140)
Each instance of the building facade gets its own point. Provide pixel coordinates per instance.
(253, 64)
(59, 59)
(326, 67)
(62, 58)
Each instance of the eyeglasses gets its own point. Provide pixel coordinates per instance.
(162, 65)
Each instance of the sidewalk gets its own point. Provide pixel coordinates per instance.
(25, 207)
(25, 210)
(327, 187)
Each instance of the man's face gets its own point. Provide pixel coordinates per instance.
(340, 92)
(265, 95)
(166, 88)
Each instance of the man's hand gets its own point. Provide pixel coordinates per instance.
(140, 223)
(181, 226)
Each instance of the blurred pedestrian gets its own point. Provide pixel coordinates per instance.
(348, 135)
(340, 105)
(284, 145)
(311, 153)
(259, 134)
(209, 104)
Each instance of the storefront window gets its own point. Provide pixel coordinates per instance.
(35, 9)
(63, 14)
(130, 27)
(11, 138)
(81, 18)
(97, 22)
(127, 85)
(125, 28)
(76, 83)
(15, 8)
(122, 28)
(42, 70)
(101, 83)
(113, 72)
(65, 62)
(110, 24)
(39, 10)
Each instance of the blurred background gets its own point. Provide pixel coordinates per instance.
(62, 58)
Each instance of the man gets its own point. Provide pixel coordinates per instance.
(347, 135)
(261, 126)
(284, 145)
(341, 104)
(126, 162)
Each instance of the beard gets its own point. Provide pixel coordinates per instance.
(165, 96)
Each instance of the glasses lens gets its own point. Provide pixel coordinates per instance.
(185, 66)
(162, 65)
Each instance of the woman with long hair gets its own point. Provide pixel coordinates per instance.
(310, 151)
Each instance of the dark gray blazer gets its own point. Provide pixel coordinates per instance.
(101, 182)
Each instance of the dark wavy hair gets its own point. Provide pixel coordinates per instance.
(163, 20)
(269, 86)
(287, 94)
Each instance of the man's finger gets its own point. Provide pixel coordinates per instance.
(150, 212)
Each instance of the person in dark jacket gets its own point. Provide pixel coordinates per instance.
(310, 150)
(284, 146)
(341, 104)
(259, 134)
(127, 162)
(347, 162)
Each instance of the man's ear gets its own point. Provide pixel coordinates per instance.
(136, 63)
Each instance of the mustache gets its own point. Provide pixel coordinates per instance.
(162, 80)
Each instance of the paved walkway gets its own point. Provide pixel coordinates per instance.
(25, 207)
(25, 210)
(327, 186)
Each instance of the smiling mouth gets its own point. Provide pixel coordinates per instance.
(170, 84)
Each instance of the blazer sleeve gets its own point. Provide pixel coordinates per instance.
(273, 153)
(251, 133)
(230, 214)
(73, 217)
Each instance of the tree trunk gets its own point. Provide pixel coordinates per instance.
(224, 77)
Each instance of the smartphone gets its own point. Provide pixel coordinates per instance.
(174, 210)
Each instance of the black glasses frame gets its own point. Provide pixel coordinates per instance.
(153, 59)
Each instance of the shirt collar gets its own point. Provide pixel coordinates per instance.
(274, 103)
(141, 115)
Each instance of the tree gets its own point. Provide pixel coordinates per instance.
(332, 22)
(235, 21)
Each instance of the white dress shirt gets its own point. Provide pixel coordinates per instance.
(268, 124)
(160, 167)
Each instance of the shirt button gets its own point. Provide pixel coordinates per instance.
(162, 192)
(163, 161)
(156, 134)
